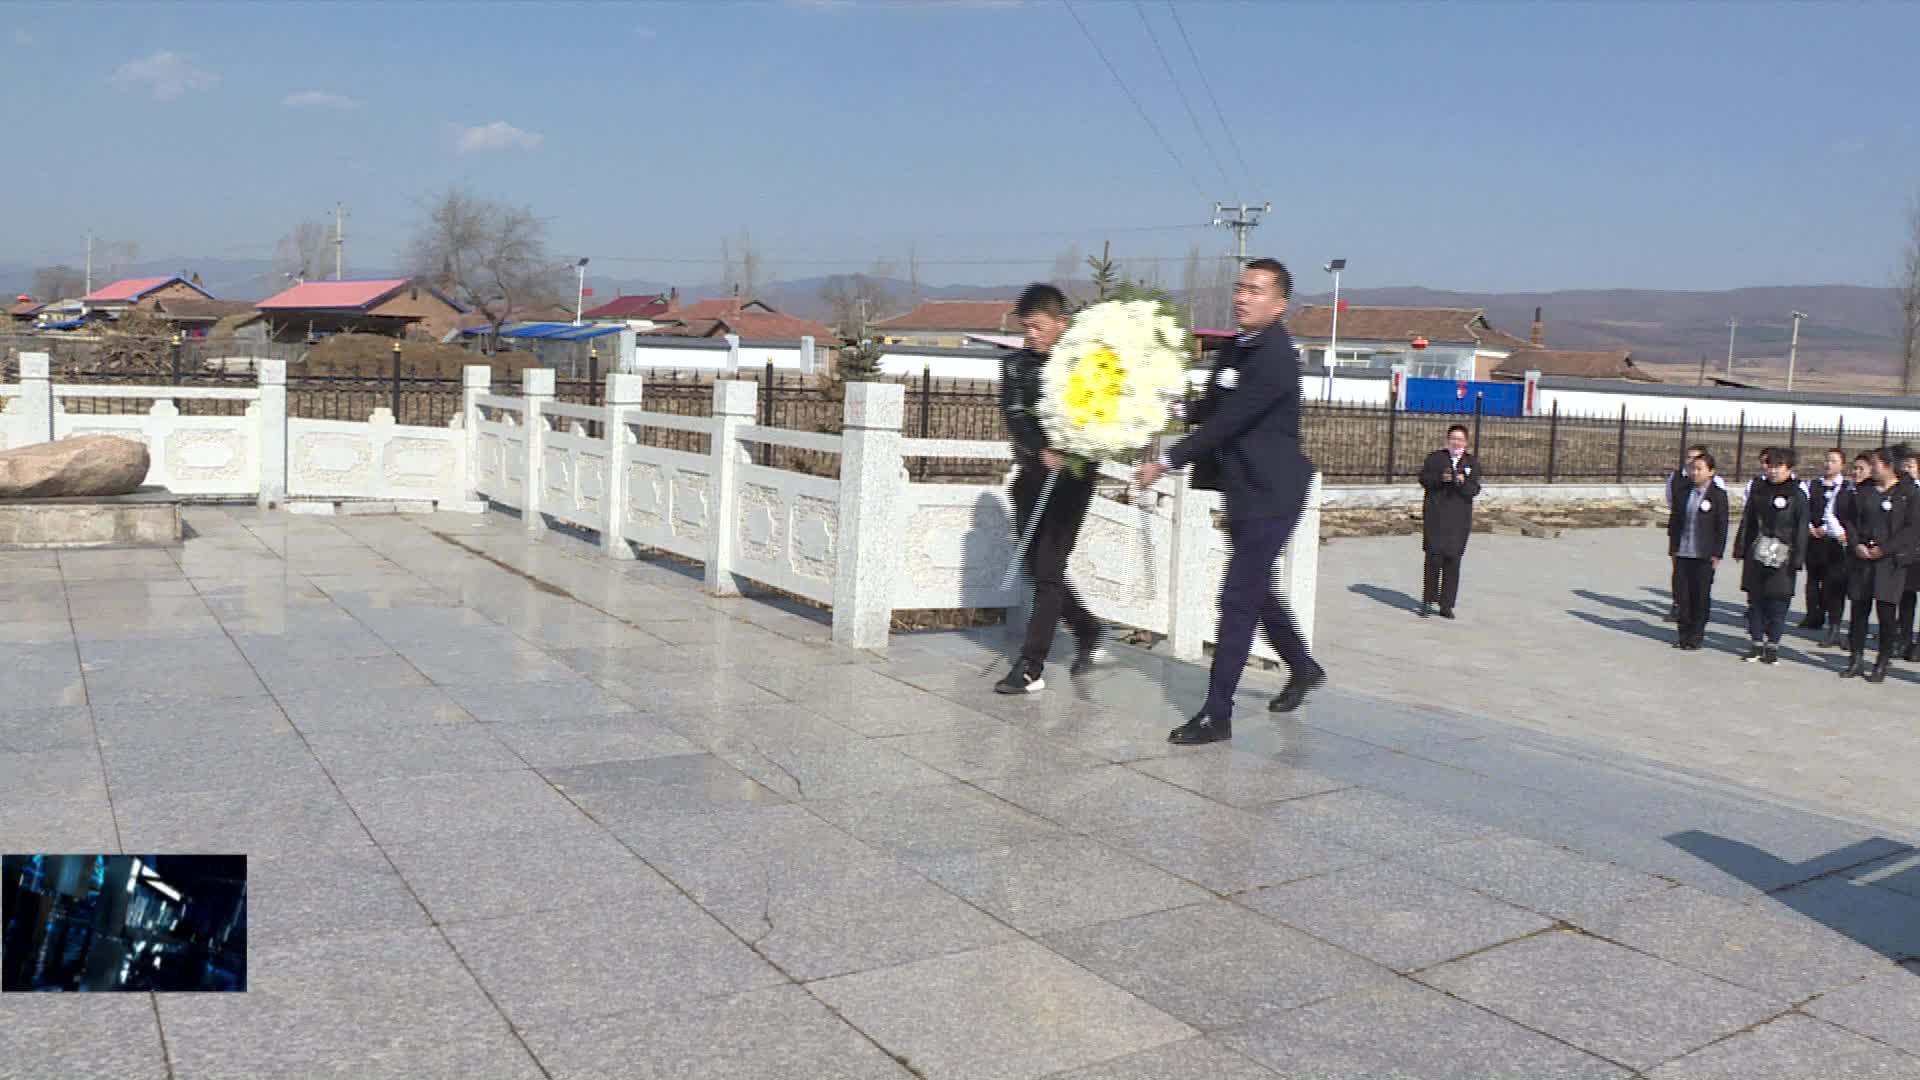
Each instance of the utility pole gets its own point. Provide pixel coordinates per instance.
(89, 289)
(1793, 349)
(1732, 325)
(339, 241)
(862, 301)
(1243, 219)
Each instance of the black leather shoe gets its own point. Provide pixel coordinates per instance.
(1771, 655)
(1913, 650)
(1426, 610)
(1199, 731)
(1856, 667)
(1832, 640)
(1811, 623)
(1296, 690)
(1752, 655)
(1446, 613)
(1880, 667)
(1672, 615)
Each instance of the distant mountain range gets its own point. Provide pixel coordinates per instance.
(1849, 329)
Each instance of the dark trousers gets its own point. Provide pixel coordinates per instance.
(1906, 615)
(1054, 597)
(1248, 600)
(1860, 594)
(1442, 580)
(1767, 617)
(1826, 583)
(1693, 596)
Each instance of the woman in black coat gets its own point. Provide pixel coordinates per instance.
(1451, 478)
(1884, 540)
(1776, 510)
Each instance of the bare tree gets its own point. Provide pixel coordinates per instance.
(856, 300)
(302, 253)
(489, 256)
(1910, 303)
(750, 268)
(58, 283)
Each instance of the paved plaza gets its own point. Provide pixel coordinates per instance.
(514, 810)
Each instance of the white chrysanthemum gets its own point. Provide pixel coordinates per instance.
(1105, 389)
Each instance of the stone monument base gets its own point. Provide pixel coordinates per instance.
(149, 517)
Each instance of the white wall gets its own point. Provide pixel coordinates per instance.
(982, 364)
(1807, 411)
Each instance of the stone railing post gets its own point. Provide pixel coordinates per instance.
(872, 488)
(1193, 593)
(475, 379)
(623, 400)
(36, 398)
(733, 352)
(536, 385)
(807, 355)
(1303, 562)
(273, 432)
(733, 408)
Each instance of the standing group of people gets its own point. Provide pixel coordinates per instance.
(1854, 531)
(1243, 441)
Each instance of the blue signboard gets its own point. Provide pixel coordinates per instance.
(1460, 396)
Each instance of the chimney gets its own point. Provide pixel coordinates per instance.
(673, 298)
(1539, 335)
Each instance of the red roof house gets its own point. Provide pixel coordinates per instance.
(387, 306)
(143, 293)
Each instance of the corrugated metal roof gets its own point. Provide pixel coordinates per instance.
(334, 294)
(127, 290)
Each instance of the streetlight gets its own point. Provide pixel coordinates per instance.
(1793, 349)
(1333, 342)
(580, 297)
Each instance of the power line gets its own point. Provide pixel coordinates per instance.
(1232, 142)
(1115, 72)
(775, 260)
(1154, 36)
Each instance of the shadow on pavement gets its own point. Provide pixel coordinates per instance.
(1867, 891)
(1636, 627)
(1393, 598)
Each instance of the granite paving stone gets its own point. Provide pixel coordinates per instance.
(526, 870)
(1792, 1048)
(936, 820)
(1403, 1031)
(388, 1006)
(992, 749)
(1193, 1059)
(63, 824)
(1396, 916)
(1214, 965)
(552, 968)
(1625, 1006)
(781, 1033)
(46, 1035)
(1764, 948)
(1885, 1007)
(411, 809)
(1047, 1015)
(1056, 884)
(253, 821)
(1093, 800)
(67, 772)
(348, 708)
(590, 740)
(411, 750)
(559, 699)
(819, 764)
(1878, 918)
(1373, 822)
(1231, 851)
(1238, 779)
(1535, 876)
(25, 731)
(617, 791)
(308, 894)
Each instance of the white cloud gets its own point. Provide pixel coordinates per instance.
(493, 138)
(318, 99)
(168, 74)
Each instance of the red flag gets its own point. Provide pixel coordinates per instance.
(586, 292)
(1341, 307)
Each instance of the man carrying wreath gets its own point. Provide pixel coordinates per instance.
(1250, 433)
(1043, 316)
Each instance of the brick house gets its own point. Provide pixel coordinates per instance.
(392, 307)
(1459, 343)
(947, 323)
(141, 294)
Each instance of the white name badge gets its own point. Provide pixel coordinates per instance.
(1779, 502)
(1228, 378)
(1705, 506)
(1886, 504)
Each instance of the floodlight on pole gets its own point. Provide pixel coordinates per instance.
(1333, 341)
(580, 296)
(1793, 349)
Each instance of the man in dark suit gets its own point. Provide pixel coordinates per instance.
(1451, 478)
(1696, 540)
(1249, 439)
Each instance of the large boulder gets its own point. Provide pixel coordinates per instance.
(91, 465)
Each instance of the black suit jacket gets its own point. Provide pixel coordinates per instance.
(1713, 521)
(1249, 429)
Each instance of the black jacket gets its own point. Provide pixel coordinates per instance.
(1713, 521)
(1019, 396)
(1892, 520)
(1447, 511)
(1779, 511)
(1249, 429)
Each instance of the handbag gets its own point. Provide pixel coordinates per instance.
(1771, 552)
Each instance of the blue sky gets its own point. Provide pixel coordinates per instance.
(1479, 146)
